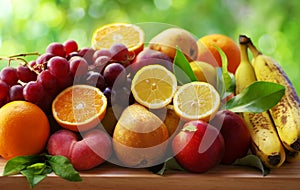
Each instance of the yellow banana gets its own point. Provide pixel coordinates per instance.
(286, 114)
(244, 75)
(265, 142)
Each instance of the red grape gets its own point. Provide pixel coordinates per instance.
(108, 94)
(47, 102)
(73, 54)
(112, 71)
(56, 49)
(47, 80)
(25, 74)
(33, 92)
(36, 67)
(122, 97)
(119, 52)
(9, 75)
(101, 52)
(70, 46)
(2, 103)
(4, 89)
(78, 66)
(58, 67)
(65, 82)
(95, 79)
(16, 92)
(87, 53)
(100, 63)
(44, 58)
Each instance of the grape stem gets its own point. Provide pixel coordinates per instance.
(18, 58)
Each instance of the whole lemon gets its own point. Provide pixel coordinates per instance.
(204, 72)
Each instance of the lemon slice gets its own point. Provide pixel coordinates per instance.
(154, 86)
(196, 100)
(128, 34)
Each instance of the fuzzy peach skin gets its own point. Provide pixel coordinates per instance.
(93, 149)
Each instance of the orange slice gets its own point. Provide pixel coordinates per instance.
(128, 34)
(196, 101)
(154, 86)
(79, 107)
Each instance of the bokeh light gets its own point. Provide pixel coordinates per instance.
(30, 25)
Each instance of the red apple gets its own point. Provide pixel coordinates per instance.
(198, 147)
(93, 149)
(236, 135)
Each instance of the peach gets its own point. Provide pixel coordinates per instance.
(93, 149)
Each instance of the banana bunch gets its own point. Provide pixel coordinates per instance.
(265, 142)
(286, 114)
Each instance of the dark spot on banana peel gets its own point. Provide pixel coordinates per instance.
(281, 107)
(274, 159)
(283, 120)
(257, 119)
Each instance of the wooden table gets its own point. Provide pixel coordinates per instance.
(109, 176)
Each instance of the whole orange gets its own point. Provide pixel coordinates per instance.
(24, 129)
(207, 51)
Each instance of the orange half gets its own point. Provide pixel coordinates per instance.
(79, 107)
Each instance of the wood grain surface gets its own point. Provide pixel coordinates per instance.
(108, 176)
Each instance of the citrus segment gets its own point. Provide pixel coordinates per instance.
(154, 86)
(128, 34)
(79, 107)
(24, 129)
(196, 100)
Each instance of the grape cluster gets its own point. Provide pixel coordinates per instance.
(62, 65)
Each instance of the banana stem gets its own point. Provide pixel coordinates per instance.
(246, 40)
(244, 52)
(243, 39)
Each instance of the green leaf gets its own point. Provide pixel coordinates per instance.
(39, 168)
(16, 164)
(182, 68)
(220, 83)
(252, 161)
(63, 168)
(225, 74)
(169, 164)
(32, 177)
(257, 97)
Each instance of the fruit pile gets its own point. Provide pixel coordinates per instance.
(137, 105)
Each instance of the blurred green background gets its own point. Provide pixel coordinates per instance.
(30, 25)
